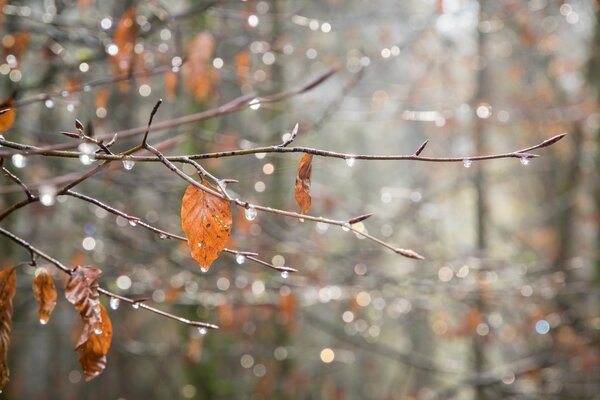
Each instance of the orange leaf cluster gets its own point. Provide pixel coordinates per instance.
(206, 220)
(7, 114)
(95, 338)
(198, 73)
(8, 288)
(303, 183)
(44, 292)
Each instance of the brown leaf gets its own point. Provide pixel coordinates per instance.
(44, 292)
(8, 288)
(303, 183)
(206, 221)
(171, 84)
(199, 75)
(125, 37)
(82, 292)
(93, 346)
(7, 115)
(242, 68)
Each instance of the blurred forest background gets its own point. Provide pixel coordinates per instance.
(507, 302)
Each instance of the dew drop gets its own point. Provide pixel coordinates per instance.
(524, 160)
(240, 259)
(254, 104)
(114, 303)
(128, 164)
(301, 220)
(47, 195)
(132, 222)
(43, 321)
(350, 161)
(203, 331)
(250, 214)
(346, 227)
(162, 236)
(135, 305)
(203, 269)
(467, 163)
(49, 103)
(19, 160)
(285, 274)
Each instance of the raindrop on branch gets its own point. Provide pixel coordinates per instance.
(203, 331)
(114, 303)
(350, 161)
(47, 195)
(524, 160)
(128, 164)
(285, 274)
(467, 163)
(240, 259)
(136, 305)
(250, 214)
(19, 160)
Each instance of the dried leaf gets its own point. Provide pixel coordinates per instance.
(303, 183)
(44, 292)
(199, 75)
(171, 84)
(7, 115)
(93, 346)
(242, 68)
(125, 37)
(206, 221)
(82, 292)
(8, 288)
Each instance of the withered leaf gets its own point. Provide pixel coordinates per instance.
(93, 346)
(303, 183)
(206, 221)
(82, 292)
(44, 292)
(7, 115)
(8, 288)
(199, 75)
(125, 37)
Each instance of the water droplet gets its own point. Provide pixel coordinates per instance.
(467, 163)
(203, 331)
(250, 213)
(240, 259)
(47, 195)
(132, 222)
(128, 164)
(346, 227)
(19, 160)
(524, 160)
(43, 321)
(163, 236)
(203, 269)
(98, 331)
(135, 305)
(301, 219)
(88, 152)
(49, 103)
(350, 161)
(114, 303)
(285, 274)
(254, 104)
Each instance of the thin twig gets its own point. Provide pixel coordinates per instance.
(23, 243)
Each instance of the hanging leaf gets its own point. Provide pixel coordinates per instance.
(125, 37)
(199, 75)
(44, 292)
(206, 221)
(303, 183)
(93, 346)
(82, 292)
(8, 288)
(242, 69)
(7, 115)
